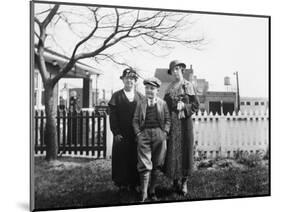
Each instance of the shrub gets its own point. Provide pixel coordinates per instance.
(266, 156)
(250, 160)
(205, 164)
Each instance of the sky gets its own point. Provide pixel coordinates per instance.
(232, 43)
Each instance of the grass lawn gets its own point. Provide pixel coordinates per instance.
(74, 182)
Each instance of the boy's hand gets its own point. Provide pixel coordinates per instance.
(137, 136)
(165, 133)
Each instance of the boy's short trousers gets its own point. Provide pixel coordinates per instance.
(151, 149)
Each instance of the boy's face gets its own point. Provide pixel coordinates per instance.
(151, 91)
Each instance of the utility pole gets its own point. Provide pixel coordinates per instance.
(237, 91)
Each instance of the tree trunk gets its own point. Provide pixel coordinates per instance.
(50, 136)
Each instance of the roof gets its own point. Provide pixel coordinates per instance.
(59, 59)
(246, 98)
(220, 93)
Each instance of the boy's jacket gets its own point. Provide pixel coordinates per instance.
(163, 115)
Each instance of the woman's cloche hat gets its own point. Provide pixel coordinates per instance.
(175, 63)
(129, 72)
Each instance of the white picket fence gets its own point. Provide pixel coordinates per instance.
(224, 135)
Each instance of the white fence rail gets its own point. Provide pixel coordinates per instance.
(223, 135)
(216, 135)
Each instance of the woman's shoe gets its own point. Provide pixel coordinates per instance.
(153, 196)
(123, 193)
(176, 185)
(134, 188)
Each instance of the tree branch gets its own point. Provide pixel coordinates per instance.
(154, 28)
(111, 57)
(42, 37)
(50, 16)
(73, 59)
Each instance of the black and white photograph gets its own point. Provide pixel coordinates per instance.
(139, 105)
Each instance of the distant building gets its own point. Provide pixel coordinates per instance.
(166, 79)
(253, 103)
(221, 102)
(210, 101)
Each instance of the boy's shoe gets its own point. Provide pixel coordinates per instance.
(184, 190)
(143, 197)
(144, 179)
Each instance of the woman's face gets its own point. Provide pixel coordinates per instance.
(177, 72)
(129, 82)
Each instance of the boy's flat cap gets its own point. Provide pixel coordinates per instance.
(152, 81)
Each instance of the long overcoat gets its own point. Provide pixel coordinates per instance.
(179, 158)
(124, 153)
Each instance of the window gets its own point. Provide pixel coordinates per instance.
(256, 103)
(248, 103)
(262, 103)
(242, 103)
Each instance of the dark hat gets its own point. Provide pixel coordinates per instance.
(175, 63)
(129, 72)
(152, 81)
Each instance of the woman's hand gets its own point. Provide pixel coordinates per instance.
(180, 106)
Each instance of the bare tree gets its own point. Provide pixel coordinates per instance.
(108, 29)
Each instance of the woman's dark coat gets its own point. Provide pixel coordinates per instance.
(124, 153)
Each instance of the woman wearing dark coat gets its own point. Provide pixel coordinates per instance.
(124, 151)
(182, 102)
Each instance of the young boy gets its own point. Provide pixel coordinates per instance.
(151, 124)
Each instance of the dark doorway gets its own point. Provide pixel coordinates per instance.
(215, 107)
(228, 107)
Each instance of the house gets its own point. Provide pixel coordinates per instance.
(220, 102)
(87, 74)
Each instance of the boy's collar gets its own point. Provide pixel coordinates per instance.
(154, 100)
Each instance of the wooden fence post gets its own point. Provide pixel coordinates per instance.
(109, 138)
(222, 136)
